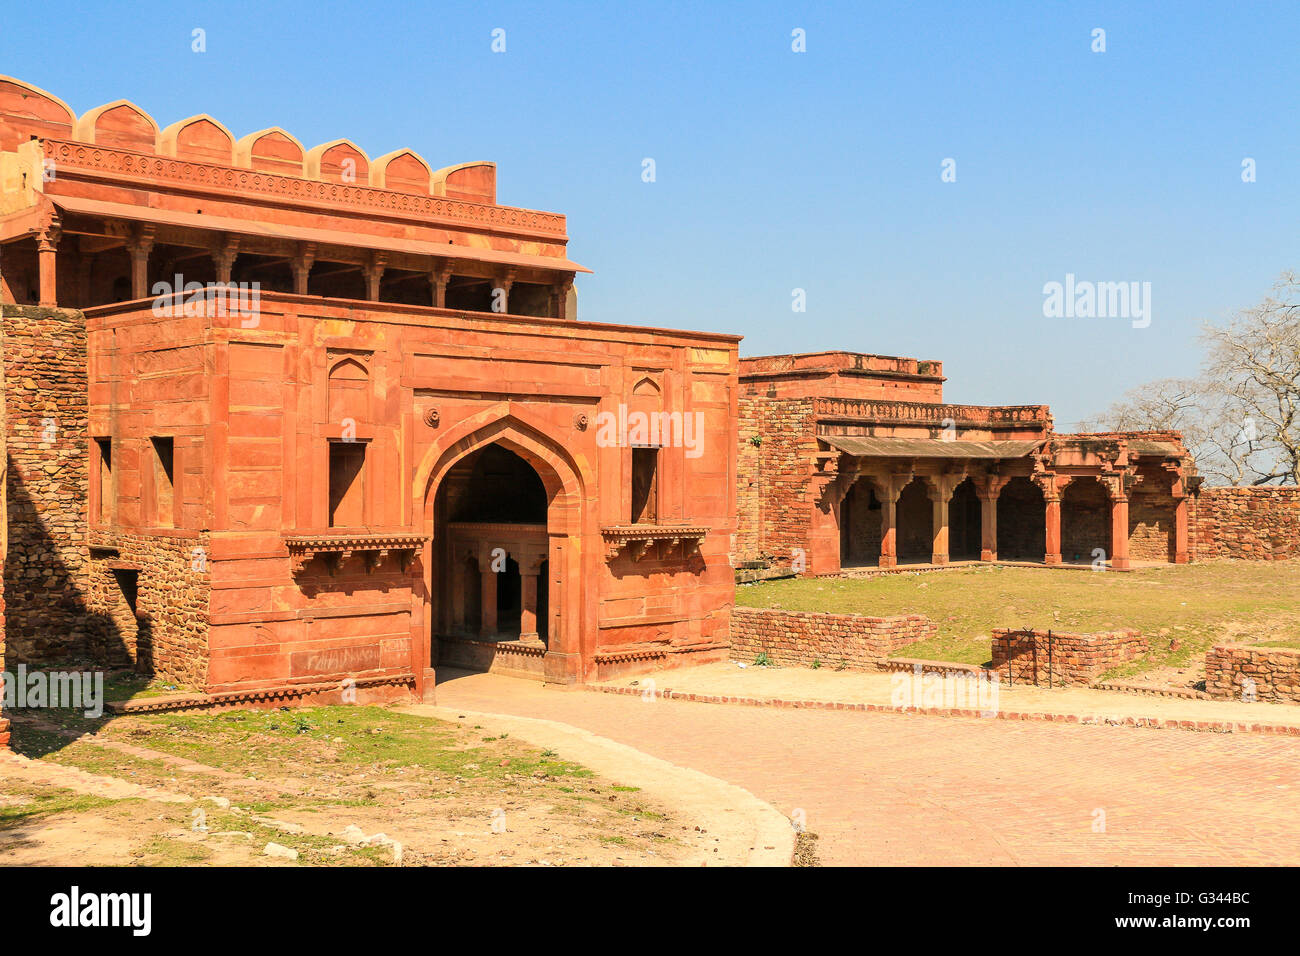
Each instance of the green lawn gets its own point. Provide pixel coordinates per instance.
(1197, 605)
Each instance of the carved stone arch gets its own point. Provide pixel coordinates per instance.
(347, 367)
(647, 387)
(563, 476)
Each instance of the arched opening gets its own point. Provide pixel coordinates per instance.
(860, 525)
(964, 523)
(1151, 518)
(491, 602)
(1085, 521)
(1022, 521)
(915, 524)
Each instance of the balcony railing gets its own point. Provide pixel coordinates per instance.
(923, 413)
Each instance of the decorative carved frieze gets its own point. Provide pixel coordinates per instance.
(67, 154)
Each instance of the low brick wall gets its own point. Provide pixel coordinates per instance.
(1254, 524)
(802, 637)
(1274, 670)
(1076, 658)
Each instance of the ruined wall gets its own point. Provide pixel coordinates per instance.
(773, 477)
(1274, 671)
(45, 571)
(802, 637)
(4, 545)
(164, 631)
(1076, 658)
(1254, 524)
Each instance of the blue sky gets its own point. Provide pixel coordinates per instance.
(778, 170)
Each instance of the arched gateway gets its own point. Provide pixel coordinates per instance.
(502, 503)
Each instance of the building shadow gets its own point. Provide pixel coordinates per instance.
(64, 617)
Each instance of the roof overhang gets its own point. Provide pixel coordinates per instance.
(329, 237)
(865, 447)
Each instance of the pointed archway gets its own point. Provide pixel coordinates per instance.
(547, 544)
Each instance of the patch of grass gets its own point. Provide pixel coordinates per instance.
(1196, 605)
(44, 802)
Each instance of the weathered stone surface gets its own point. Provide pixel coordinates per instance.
(1250, 672)
(853, 641)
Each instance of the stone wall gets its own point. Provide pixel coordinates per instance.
(4, 546)
(45, 571)
(773, 477)
(803, 637)
(1275, 672)
(1255, 524)
(1075, 658)
(165, 633)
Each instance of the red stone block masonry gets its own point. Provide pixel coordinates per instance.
(281, 417)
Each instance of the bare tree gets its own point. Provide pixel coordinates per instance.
(1241, 419)
(1254, 361)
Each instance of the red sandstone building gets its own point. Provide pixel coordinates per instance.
(851, 460)
(406, 450)
(398, 455)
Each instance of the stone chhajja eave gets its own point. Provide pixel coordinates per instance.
(253, 228)
(638, 539)
(338, 548)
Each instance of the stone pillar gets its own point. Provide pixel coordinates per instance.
(989, 524)
(488, 627)
(560, 298)
(374, 271)
(439, 278)
(501, 292)
(939, 490)
(139, 247)
(888, 492)
(223, 258)
(1119, 533)
(1052, 505)
(301, 265)
(528, 611)
(47, 247)
(1180, 529)
(824, 530)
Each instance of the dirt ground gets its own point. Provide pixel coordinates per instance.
(338, 786)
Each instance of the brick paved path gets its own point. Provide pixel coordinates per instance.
(886, 789)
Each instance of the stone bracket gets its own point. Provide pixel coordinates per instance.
(336, 549)
(638, 540)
